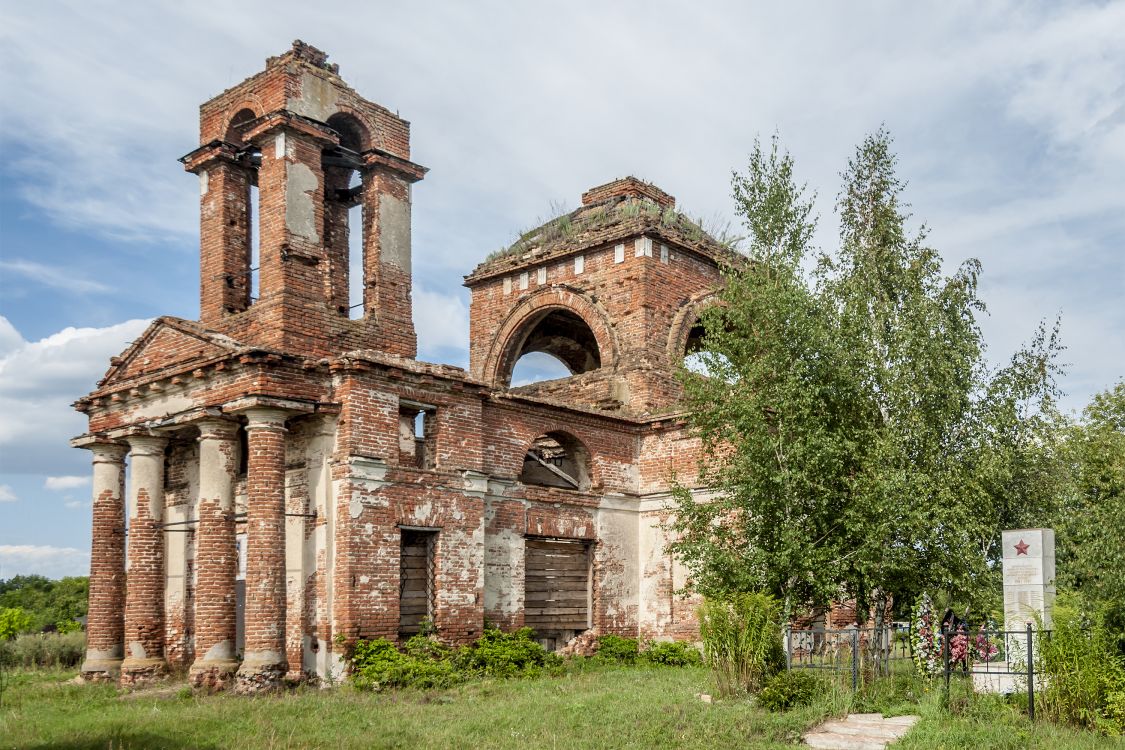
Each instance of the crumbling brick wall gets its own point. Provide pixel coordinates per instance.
(320, 463)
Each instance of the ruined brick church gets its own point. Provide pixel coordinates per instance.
(299, 480)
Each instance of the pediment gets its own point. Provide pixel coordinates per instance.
(166, 344)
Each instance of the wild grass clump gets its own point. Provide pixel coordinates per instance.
(1084, 674)
(54, 650)
(742, 641)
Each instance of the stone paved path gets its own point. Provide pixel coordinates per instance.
(859, 732)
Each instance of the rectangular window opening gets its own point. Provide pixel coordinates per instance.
(417, 435)
(255, 260)
(356, 309)
(416, 581)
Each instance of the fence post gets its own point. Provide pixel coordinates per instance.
(945, 655)
(886, 649)
(1030, 676)
(855, 658)
(788, 648)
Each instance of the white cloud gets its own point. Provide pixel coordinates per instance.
(56, 278)
(43, 559)
(10, 338)
(38, 382)
(442, 323)
(75, 504)
(1009, 119)
(7, 494)
(66, 482)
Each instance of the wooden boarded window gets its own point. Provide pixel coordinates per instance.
(416, 581)
(557, 588)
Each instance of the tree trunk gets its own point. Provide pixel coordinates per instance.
(879, 650)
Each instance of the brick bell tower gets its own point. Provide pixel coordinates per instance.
(313, 149)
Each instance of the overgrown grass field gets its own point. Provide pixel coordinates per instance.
(593, 707)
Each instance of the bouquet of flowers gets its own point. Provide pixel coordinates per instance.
(927, 640)
(983, 649)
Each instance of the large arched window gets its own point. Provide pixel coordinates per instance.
(557, 459)
(556, 343)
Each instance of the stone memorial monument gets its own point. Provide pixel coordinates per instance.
(1029, 578)
(1029, 596)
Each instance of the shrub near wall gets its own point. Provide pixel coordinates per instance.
(424, 662)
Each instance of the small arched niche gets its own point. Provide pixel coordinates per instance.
(559, 460)
(556, 343)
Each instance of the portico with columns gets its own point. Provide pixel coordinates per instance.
(130, 627)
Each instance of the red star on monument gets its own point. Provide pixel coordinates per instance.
(1021, 548)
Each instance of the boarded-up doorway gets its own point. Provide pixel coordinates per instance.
(416, 581)
(557, 593)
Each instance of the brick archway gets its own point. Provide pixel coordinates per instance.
(522, 319)
(574, 441)
(683, 322)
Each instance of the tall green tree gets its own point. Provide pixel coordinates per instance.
(771, 417)
(47, 602)
(849, 421)
(1090, 523)
(913, 342)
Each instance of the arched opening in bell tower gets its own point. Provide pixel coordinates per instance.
(343, 216)
(247, 282)
(556, 343)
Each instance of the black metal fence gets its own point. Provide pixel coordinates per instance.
(996, 660)
(862, 652)
(1001, 661)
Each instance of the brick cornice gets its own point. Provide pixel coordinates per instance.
(211, 153)
(404, 168)
(290, 122)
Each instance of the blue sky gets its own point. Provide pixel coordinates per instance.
(1009, 121)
